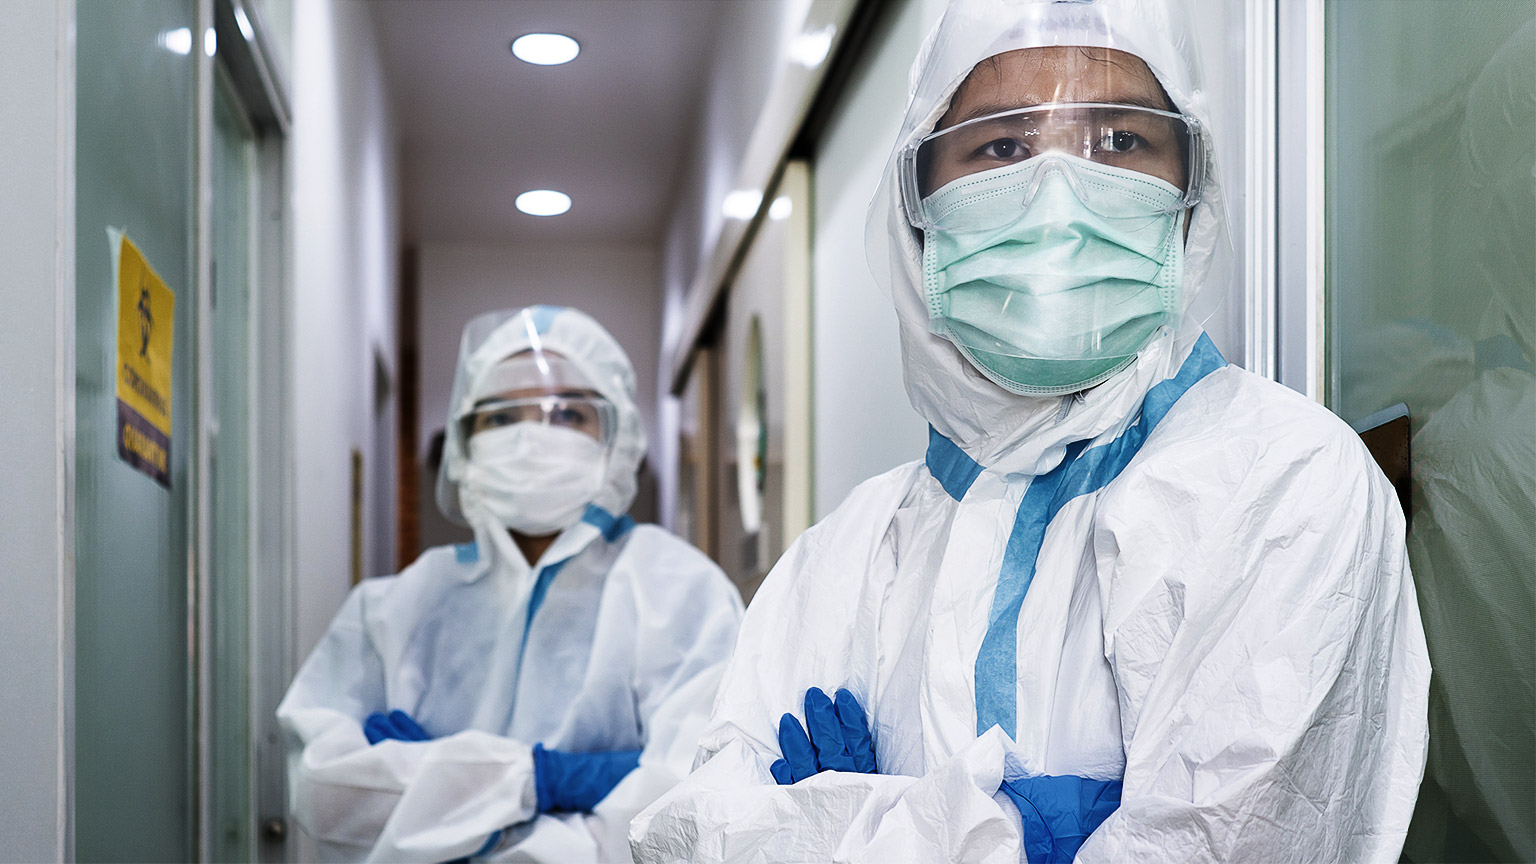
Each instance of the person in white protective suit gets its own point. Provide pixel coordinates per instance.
(1135, 604)
(520, 697)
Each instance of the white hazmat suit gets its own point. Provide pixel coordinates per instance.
(1187, 580)
(614, 640)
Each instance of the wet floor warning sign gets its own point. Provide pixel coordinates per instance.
(146, 318)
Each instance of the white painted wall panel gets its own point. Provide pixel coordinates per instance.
(863, 423)
(344, 178)
(37, 532)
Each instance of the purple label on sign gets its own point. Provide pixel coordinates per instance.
(142, 445)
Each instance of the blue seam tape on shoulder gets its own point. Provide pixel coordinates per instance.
(466, 553)
(622, 526)
(544, 317)
(611, 527)
(950, 465)
(1080, 473)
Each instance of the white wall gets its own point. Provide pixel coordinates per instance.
(748, 50)
(343, 194)
(37, 112)
(615, 283)
(864, 423)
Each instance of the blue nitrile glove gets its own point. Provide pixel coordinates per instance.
(1060, 812)
(396, 725)
(839, 739)
(575, 782)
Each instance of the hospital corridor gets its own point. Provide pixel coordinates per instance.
(768, 431)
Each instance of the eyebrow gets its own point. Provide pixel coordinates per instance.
(989, 108)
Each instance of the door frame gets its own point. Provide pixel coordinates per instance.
(1300, 310)
(245, 62)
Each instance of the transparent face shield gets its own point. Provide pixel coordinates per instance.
(540, 387)
(983, 173)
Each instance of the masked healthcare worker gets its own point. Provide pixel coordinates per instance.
(1136, 604)
(520, 697)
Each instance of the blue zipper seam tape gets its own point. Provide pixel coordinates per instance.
(611, 527)
(1080, 473)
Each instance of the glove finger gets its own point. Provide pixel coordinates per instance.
(376, 728)
(856, 738)
(826, 732)
(409, 729)
(796, 748)
(780, 771)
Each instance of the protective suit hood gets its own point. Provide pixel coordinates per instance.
(572, 334)
(1027, 434)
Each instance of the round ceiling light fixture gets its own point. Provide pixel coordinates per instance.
(543, 202)
(545, 49)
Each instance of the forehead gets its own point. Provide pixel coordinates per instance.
(1035, 76)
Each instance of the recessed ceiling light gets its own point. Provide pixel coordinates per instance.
(178, 41)
(543, 202)
(741, 204)
(809, 49)
(545, 49)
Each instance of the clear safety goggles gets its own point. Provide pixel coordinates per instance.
(975, 161)
(590, 415)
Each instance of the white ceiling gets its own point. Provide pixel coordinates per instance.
(478, 126)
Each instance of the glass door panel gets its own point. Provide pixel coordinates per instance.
(135, 158)
(1430, 162)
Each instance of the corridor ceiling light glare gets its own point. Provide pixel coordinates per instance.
(545, 49)
(741, 204)
(210, 42)
(244, 23)
(809, 49)
(781, 208)
(543, 202)
(178, 41)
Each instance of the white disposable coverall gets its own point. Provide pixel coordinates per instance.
(1188, 579)
(627, 629)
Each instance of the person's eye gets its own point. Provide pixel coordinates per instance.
(1121, 141)
(496, 419)
(1003, 149)
(568, 417)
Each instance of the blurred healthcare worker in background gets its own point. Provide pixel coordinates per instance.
(1136, 604)
(524, 695)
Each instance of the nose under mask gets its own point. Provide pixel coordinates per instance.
(533, 478)
(1064, 295)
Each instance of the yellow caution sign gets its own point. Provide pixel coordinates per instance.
(146, 329)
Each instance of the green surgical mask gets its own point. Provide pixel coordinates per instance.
(1063, 295)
